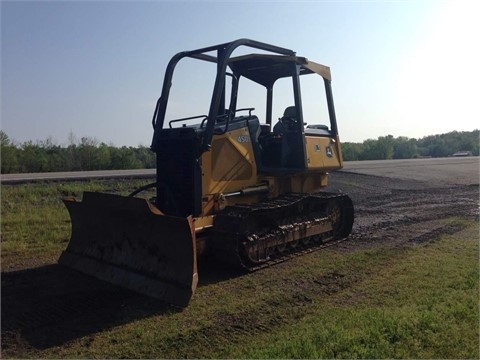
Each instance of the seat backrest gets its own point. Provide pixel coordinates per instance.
(287, 121)
(290, 112)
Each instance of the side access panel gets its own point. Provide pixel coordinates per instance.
(323, 153)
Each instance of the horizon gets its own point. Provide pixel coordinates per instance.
(74, 140)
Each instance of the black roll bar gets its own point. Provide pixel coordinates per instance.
(224, 52)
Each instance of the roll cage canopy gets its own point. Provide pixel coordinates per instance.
(263, 69)
(266, 69)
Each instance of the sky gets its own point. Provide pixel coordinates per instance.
(73, 69)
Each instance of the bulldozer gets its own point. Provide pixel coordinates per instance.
(230, 185)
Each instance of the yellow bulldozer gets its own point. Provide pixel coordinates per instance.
(245, 191)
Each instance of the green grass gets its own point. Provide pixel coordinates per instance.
(422, 305)
(418, 301)
(34, 221)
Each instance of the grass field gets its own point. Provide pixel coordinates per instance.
(418, 301)
(36, 224)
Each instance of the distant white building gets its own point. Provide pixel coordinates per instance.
(463, 153)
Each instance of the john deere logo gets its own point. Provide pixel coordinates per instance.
(329, 151)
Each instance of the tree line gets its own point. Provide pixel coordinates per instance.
(389, 147)
(85, 154)
(89, 154)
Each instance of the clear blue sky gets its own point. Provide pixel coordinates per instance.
(95, 69)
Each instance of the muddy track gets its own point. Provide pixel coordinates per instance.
(51, 305)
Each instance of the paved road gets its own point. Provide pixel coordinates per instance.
(76, 175)
(450, 170)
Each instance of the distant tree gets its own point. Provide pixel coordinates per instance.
(146, 157)
(88, 154)
(4, 139)
(124, 158)
(33, 158)
(385, 147)
(435, 146)
(56, 159)
(404, 148)
(352, 151)
(72, 157)
(380, 149)
(8, 154)
(368, 152)
(468, 141)
(101, 158)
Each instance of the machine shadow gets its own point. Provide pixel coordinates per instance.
(52, 305)
(212, 271)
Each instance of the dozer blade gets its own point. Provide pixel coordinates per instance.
(128, 242)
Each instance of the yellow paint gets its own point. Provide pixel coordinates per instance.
(230, 166)
(317, 149)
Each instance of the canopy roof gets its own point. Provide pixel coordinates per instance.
(266, 69)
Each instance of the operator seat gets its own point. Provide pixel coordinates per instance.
(286, 122)
(290, 112)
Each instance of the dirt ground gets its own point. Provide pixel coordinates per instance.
(49, 305)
